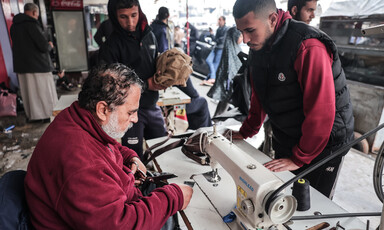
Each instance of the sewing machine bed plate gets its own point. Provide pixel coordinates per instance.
(223, 196)
(209, 203)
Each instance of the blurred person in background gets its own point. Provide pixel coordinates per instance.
(178, 37)
(228, 67)
(302, 10)
(193, 37)
(33, 65)
(161, 30)
(214, 57)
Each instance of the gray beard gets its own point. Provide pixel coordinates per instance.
(112, 127)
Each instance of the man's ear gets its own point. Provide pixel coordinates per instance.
(294, 11)
(102, 111)
(35, 14)
(273, 19)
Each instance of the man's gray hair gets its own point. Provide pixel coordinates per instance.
(109, 83)
(259, 7)
(31, 7)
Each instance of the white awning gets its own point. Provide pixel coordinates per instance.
(354, 8)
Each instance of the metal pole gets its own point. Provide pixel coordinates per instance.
(187, 29)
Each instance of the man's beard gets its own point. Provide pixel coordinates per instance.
(112, 127)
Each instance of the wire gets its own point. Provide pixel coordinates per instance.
(318, 164)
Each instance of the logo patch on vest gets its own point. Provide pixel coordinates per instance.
(281, 77)
(133, 140)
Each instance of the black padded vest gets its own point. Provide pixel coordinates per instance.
(276, 84)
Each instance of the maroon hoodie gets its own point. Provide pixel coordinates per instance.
(77, 178)
(313, 66)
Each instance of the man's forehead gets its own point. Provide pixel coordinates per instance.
(133, 9)
(248, 21)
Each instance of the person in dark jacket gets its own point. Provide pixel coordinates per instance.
(214, 57)
(193, 37)
(32, 63)
(133, 44)
(159, 29)
(197, 111)
(105, 29)
(297, 79)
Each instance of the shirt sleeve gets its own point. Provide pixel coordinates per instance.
(255, 119)
(314, 69)
(96, 198)
(127, 154)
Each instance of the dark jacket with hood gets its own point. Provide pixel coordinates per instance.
(137, 50)
(30, 47)
(159, 28)
(297, 79)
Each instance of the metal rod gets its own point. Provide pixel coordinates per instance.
(338, 215)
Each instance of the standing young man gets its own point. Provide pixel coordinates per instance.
(297, 79)
(133, 44)
(302, 10)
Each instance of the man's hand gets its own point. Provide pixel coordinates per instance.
(279, 165)
(153, 86)
(187, 194)
(135, 161)
(50, 44)
(235, 135)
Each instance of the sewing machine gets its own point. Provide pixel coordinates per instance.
(254, 183)
(212, 201)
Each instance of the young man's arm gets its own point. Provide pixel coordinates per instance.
(255, 119)
(314, 68)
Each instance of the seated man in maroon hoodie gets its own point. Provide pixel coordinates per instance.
(80, 177)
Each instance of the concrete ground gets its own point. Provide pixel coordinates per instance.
(354, 191)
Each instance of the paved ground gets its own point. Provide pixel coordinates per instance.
(354, 190)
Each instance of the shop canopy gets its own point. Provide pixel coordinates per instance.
(354, 8)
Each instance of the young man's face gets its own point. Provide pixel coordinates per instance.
(128, 18)
(307, 13)
(256, 31)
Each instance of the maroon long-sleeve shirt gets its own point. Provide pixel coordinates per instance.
(77, 178)
(313, 66)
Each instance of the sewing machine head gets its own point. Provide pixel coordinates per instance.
(254, 185)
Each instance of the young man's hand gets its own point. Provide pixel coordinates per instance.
(279, 165)
(235, 134)
(153, 86)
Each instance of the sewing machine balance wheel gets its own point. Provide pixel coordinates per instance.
(378, 173)
(282, 208)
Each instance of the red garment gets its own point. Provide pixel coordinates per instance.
(313, 66)
(77, 178)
